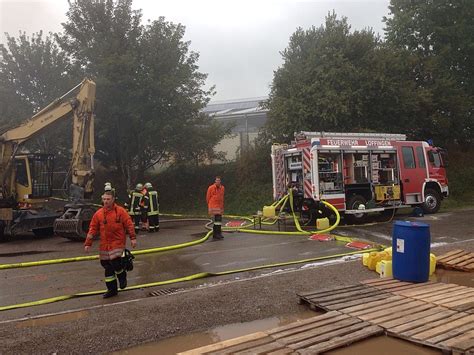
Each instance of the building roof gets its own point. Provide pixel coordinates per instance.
(236, 108)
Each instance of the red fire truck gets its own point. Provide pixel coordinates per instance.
(359, 173)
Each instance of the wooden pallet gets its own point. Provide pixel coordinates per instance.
(452, 296)
(310, 336)
(433, 314)
(332, 298)
(457, 259)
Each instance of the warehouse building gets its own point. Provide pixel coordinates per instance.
(246, 115)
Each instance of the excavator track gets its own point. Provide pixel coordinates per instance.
(74, 223)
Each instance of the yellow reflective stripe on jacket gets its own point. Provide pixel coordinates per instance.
(110, 278)
(215, 210)
(136, 197)
(154, 205)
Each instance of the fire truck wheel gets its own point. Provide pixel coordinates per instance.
(432, 201)
(353, 204)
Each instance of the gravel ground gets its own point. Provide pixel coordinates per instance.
(119, 326)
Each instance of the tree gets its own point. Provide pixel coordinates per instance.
(333, 79)
(439, 36)
(149, 89)
(34, 72)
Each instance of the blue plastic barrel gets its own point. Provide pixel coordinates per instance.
(411, 251)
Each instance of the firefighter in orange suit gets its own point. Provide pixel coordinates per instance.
(111, 222)
(215, 205)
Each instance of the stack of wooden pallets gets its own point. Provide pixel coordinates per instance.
(457, 259)
(310, 336)
(433, 314)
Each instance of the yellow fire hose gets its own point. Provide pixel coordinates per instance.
(94, 257)
(300, 231)
(181, 279)
(288, 197)
(282, 201)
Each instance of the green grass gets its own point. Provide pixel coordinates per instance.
(248, 199)
(461, 181)
(455, 203)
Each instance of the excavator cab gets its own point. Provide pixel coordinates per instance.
(33, 178)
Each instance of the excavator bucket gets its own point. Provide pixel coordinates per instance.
(74, 223)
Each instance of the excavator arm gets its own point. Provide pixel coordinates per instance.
(26, 178)
(83, 145)
(83, 148)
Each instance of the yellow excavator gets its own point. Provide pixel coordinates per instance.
(27, 178)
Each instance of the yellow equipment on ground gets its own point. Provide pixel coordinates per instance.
(26, 178)
(322, 223)
(269, 211)
(381, 262)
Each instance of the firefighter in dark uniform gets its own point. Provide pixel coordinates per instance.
(134, 209)
(144, 206)
(153, 209)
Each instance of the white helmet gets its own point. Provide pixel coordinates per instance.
(108, 186)
(148, 185)
(139, 187)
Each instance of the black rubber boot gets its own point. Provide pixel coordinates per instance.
(111, 289)
(219, 232)
(122, 277)
(216, 232)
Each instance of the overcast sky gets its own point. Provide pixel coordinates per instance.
(239, 42)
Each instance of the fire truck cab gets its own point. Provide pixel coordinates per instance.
(359, 173)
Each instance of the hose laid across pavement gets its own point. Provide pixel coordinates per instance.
(95, 257)
(284, 200)
(300, 231)
(181, 279)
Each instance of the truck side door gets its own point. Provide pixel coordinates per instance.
(437, 167)
(412, 171)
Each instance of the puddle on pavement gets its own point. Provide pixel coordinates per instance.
(229, 331)
(59, 318)
(384, 345)
(461, 278)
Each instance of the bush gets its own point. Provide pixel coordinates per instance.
(461, 180)
(248, 183)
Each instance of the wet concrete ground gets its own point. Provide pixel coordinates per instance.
(237, 251)
(204, 304)
(372, 346)
(380, 345)
(214, 335)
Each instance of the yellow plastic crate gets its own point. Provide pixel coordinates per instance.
(269, 211)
